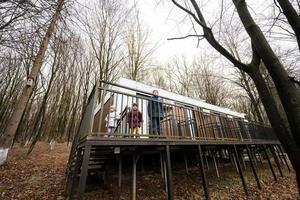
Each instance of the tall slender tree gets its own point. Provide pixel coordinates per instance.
(138, 49)
(7, 138)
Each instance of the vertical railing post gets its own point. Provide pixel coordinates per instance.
(201, 118)
(236, 124)
(222, 128)
(247, 130)
(102, 108)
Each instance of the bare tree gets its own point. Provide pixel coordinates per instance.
(138, 49)
(103, 24)
(261, 51)
(289, 94)
(292, 16)
(207, 84)
(180, 78)
(16, 16)
(232, 36)
(39, 120)
(11, 83)
(158, 76)
(10, 131)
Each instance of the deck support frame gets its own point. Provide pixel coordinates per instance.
(163, 147)
(236, 155)
(203, 174)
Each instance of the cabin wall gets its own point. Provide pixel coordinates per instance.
(177, 97)
(179, 120)
(106, 109)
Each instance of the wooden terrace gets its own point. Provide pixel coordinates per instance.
(187, 131)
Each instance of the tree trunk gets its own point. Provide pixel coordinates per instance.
(14, 120)
(23, 126)
(289, 94)
(277, 122)
(72, 121)
(292, 17)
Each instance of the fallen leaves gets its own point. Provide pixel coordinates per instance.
(42, 174)
(38, 176)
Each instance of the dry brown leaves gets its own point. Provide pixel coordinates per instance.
(41, 176)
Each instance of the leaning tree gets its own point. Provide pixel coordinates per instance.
(262, 53)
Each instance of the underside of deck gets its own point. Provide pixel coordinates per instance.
(94, 154)
(110, 142)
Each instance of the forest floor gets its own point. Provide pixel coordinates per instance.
(41, 175)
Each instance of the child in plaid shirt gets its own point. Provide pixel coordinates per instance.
(134, 119)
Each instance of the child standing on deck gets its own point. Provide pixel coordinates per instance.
(155, 113)
(134, 119)
(111, 120)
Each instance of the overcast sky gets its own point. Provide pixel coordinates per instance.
(163, 19)
(163, 22)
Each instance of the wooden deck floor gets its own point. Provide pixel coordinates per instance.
(118, 141)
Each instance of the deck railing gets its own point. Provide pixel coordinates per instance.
(175, 119)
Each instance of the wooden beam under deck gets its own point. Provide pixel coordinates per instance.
(115, 141)
(106, 146)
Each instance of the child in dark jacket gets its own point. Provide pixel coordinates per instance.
(155, 113)
(134, 119)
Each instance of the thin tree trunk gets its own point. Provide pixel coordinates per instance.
(15, 119)
(38, 127)
(23, 127)
(40, 119)
(72, 122)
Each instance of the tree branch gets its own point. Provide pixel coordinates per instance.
(200, 22)
(184, 37)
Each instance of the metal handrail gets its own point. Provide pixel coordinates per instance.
(148, 93)
(181, 122)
